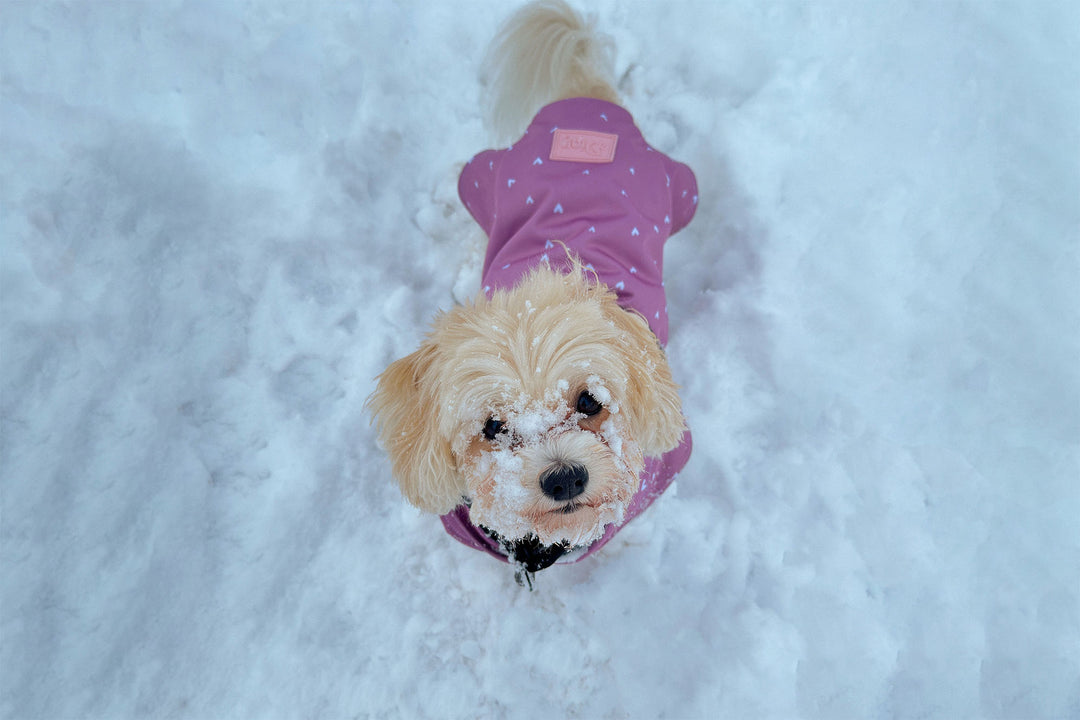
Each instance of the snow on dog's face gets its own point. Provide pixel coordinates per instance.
(537, 406)
(560, 468)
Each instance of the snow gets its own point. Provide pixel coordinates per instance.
(221, 220)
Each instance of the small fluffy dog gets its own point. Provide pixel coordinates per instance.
(543, 417)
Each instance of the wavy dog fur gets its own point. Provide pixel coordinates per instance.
(482, 357)
(543, 53)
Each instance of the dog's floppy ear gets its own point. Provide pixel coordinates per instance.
(405, 409)
(652, 397)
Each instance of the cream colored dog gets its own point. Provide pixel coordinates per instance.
(529, 418)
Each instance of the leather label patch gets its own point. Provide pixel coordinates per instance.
(583, 146)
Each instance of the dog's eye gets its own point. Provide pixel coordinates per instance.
(494, 427)
(587, 404)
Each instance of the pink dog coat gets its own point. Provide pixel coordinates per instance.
(583, 175)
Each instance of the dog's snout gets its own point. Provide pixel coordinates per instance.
(564, 482)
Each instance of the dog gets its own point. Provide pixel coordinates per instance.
(540, 418)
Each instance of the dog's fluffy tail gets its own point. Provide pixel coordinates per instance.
(543, 53)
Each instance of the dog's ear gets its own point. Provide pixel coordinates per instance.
(405, 407)
(653, 408)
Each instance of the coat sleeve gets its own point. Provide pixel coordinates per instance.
(684, 195)
(476, 187)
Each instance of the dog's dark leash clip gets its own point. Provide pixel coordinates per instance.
(523, 577)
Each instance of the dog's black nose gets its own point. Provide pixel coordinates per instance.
(564, 482)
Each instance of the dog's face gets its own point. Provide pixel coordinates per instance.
(537, 407)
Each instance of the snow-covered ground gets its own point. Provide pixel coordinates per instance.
(220, 221)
